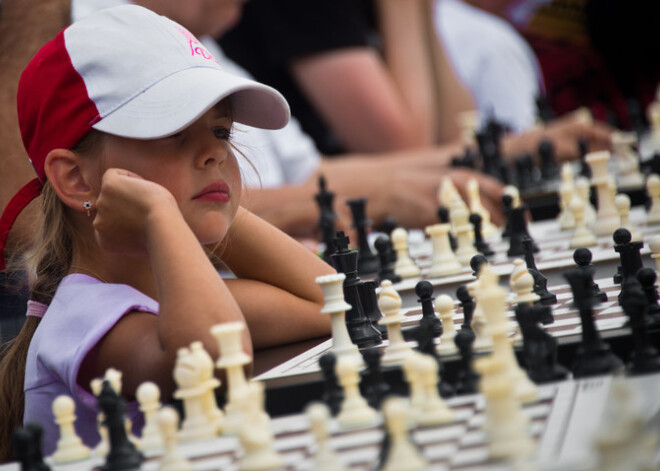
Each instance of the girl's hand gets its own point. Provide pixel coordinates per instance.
(126, 205)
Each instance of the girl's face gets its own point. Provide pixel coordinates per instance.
(196, 165)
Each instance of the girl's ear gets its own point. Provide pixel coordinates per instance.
(65, 174)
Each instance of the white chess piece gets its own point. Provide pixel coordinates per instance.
(325, 457)
(434, 409)
(627, 160)
(404, 266)
(354, 411)
(389, 303)
(654, 245)
(444, 304)
(336, 306)
(191, 389)
(653, 191)
(607, 218)
(513, 191)
(622, 203)
(447, 193)
(488, 228)
(566, 220)
(232, 359)
(209, 383)
(69, 446)
(103, 445)
(403, 455)
(173, 459)
(464, 234)
(415, 382)
(443, 260)
(468, 122)
(148, 396)
(582, 236)
(583, 189)
(522, 283)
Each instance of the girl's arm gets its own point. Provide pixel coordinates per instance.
(276, 282)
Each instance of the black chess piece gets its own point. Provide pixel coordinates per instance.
(647, 278)
(369, 300)
(467, 304)
(360, 328)
(644, 357)
(325, 199)
(593, 356)
(507, 206)
(540, 281)
(539, 347)
(524, 166)
(443, 218)
(583, 150)
(373, 385)
(476, 262)
(387, 226)
(549, 167)
(333, 394)
(384, 248)
(629, 255)
(467, 378)
(424, 292)
(122, 454)
(479, 243)
(367, 260)
(518, 231)
(26, 444)
(544, 110)
(583, 257)
(424, 336)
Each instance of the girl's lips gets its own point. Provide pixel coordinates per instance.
(218, 191)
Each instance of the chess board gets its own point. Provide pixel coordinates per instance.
(554, 254)
(609, 317)
(563, 422)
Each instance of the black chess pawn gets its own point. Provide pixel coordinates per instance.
(384, 248)
(26, 444)
(476, 262)
(122, 454)
(324, 199)
(594, 356)
(583, 257)
(549, 167)
(369, 300)
(424, 292)
(443, 218)
(387, 226)
(468, 379)
(373, 385)
(507, 206)
(360, 328)
(583, 150)
(540, 281)
(647, 278)
(479, 243)
(539, 347)
(467, 304)
(333, 394)
(524, 166)
(367, 260)
(645, 357)
(629, 253)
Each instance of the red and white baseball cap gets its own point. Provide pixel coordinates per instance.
(129, 72)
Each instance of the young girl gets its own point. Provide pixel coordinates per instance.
(127, 121)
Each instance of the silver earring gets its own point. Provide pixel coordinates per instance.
(87, 205)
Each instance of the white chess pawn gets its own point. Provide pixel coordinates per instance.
(488, 228)
(653, 191)
(443, 260)
(627, 159)
(464, 234)
(69, 446)
(444, 304)
(447, 193)
(434, 409)
(389, 303)
(325, 457)
(336, 306)
(566, 220)
(654, 245)
(583, 189)
(173, 459)
(197, 425)
(148, 396)
(404, 266)
(209, 383)
(232, 359)
(622, 203)
(415, 382)
(354, 412)
(582, 236)
(522, 283)
(403, 455)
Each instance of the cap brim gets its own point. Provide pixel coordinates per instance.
(178, 100)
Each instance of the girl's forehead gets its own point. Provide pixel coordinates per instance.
(223, 107)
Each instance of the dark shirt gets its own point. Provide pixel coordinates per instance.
(272, 33)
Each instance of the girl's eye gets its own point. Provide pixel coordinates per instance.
(223, 133)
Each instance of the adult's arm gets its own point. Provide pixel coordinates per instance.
(25, 26)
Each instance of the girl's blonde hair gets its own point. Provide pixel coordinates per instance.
(48, 263)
